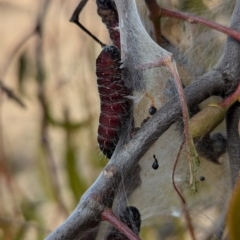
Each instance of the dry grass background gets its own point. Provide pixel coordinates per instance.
(31, 204)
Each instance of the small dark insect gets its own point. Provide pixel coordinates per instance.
(113, 93)
(132, 218)
(152, 110)
(155, 163)
(202, 178)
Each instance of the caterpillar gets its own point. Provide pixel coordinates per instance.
(113, 99)
(107, 10)
(114, 104)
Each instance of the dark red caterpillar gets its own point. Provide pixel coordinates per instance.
(113, 98)
(113, 94)
(112, 91)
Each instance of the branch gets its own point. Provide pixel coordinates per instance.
(183, 201)
(214, 113)
(88, 212)
(233, 144)
(75, 19)
(232, 58)
(157, 12)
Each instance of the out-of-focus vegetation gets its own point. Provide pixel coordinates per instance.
(48, 148)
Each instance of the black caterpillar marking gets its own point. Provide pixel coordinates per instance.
(113, 99)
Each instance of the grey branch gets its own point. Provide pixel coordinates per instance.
(233, 118)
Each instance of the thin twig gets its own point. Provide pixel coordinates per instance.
(214, 113)
(231, 99)
(110, 217)
(153, 8)
(183, 201)
(157, 12)
(188, 140)
(75, 19)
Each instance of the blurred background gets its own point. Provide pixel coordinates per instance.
(49, 108)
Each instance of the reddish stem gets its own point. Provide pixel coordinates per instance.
(184, 205)
(226, 103)
(157, 11)
(154, 17)
(193, 19)
(109, 216)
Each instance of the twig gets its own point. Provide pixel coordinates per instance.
(75, 19)
(183, 201)
(88, 214)
(215, 113)
(157, 12)
(230, 100)
(193, 160)
(110, 217)
(154, 16)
